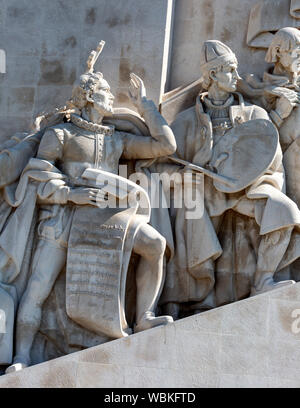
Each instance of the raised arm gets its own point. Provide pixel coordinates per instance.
(162, 141)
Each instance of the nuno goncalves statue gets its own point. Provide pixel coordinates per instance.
(248, 231)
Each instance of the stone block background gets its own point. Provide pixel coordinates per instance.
(47, 44)
(198, 20)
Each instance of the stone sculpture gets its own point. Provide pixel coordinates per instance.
(282, 98)
(248, 231)
(82, 221)
(278, 93)
(14, 156)
(267, 17)
(74, 161)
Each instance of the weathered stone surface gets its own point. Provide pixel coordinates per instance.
(247, 247)
(196, 21)
(205, 350)
(47, 43)
(93, 245)
(7, 310)
(220, 132)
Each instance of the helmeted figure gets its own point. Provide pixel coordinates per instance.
(249, 229)
(75, 170)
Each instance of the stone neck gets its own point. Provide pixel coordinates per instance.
(217, 111)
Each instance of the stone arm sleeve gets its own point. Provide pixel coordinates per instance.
(51, 146)
(14, 159)
(160, 143)
(51, 149)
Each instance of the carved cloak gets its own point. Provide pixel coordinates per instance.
(216, 254)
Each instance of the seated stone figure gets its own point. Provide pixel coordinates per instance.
(93, 243)
(247, 232)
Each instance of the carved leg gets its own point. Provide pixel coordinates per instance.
(48, 261)
(150, 245)
(172, 309)
(270, 252)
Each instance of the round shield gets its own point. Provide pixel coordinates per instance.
(244, 153)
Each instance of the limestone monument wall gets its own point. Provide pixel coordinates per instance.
(46, 45)
(84, 264)
(48, 42)
(198, 20)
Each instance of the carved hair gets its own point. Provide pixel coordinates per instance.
(83, 91)
(284, 40)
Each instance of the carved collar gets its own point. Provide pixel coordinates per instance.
(235, 98)
(225, 105)
(92, 127)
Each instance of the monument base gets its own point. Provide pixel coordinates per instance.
(251, 343)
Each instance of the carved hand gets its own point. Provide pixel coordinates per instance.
(137, 90)
(83, 196)
(286, 103)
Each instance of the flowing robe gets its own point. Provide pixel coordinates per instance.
(215, 256)
(15, 153)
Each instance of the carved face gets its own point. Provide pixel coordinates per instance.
(290, 60)
(226, 78)
(103, 98)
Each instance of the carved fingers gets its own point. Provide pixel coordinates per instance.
(84, 196)
(286, 102)
(292, 96)
(137, 89)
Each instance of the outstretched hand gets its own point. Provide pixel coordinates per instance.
(287, 99)
(137, 90)
(286, 103)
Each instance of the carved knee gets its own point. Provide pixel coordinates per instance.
(156, 247)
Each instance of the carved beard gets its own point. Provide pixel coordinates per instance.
(103, 108)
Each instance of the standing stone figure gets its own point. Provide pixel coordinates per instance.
(14, 156)
(249, 230)
(282, 99)
(94, 243)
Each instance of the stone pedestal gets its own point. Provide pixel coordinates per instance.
(251, 343)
